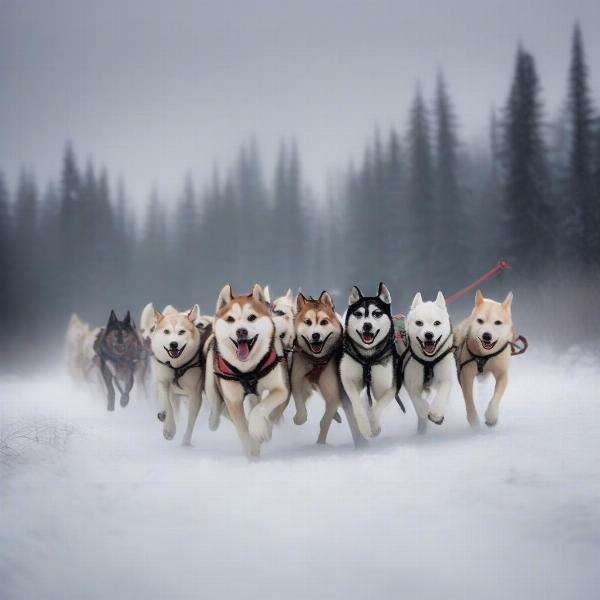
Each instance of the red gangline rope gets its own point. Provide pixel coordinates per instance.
(500, 266)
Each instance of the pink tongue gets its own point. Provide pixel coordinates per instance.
(243, 350)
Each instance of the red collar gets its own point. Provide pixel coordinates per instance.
(226, 369)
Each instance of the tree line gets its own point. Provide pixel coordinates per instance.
(419, 210)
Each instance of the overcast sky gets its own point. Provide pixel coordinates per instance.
(155, 88)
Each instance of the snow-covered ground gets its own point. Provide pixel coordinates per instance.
(97, 505)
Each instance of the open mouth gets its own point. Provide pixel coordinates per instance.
(429, 346)
(175, 352)
(487, 345)
(367, 337)
(317, 347)
(243, 347)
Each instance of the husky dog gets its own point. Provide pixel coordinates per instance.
(283, 313)
(426, 361)
(77, 331)
(178, 343)
(316, 362)
(484, 347)
(369, 358)
(118, 349)
(246, 357)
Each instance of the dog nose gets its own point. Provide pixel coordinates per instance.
(428, 336)
(367, 327)
(316, 337)
(173, 345)
(486, 337)
(242, 332)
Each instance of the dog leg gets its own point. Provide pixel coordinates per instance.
(466, 382)
(299, 394)
(194, 403)
(215, 401)
(260, 425)
(125, 393)
(166, 415)
(421, 408)
(360, 411)
(357, 438)
(440, 404)
(238, 417)
(378, 408)
(491, 414)
(330, 392)
(110, 390)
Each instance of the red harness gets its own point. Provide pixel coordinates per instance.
(247, 379)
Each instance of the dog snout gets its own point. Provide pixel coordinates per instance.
(174, 345)
(428, 335)
(487, 337)
(367, 326)
(316, 336)
(241, 333)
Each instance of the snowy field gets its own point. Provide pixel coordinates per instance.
(97, 505)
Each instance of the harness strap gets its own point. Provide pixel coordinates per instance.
(428, 365)
(247, 379)
(178, 372)
(519, 346)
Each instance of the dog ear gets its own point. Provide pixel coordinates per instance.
(258, 294)
(194, 313)
(267, 293)
(478, 297)
(203, 321)
(355, 295)
(300, 301)
(225, 296)
(113, 318)
(440, 300)
(158, 316)
(418, 299)
(506, 303)
(127, 319)
(147, 317)
(384, 293)
(289, 294)
(325, 298)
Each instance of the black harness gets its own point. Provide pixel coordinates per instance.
(247, 379)
(428, 365)
(519, 346)
(385, 350)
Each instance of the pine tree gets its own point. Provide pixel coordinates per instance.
(526, 179)
(580, 176)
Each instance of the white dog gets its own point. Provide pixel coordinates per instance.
(178, 342)
(427, 362)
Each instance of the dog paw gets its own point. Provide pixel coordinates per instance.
(124, 400)
(473, 420)
(161, 416)
(168, 432)
(337, 417)
(365, 428)
(110, 407)
(300, 417)
(437, 419)
(259, 426)
(491, 418)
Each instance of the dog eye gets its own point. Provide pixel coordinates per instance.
(307, 322)
(377, 314)
(278, 313)
(497, 322)
(437, 323)
(181, 332)
(480, 321)
(251, 318)
(324, 322)
(358, 315)
(230, 319)
(166, 331)
(419, 323)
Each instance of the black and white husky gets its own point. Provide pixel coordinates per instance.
(369, 360)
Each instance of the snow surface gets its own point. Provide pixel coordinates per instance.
(99, 505)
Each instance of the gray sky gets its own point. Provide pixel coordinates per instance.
(154, 88)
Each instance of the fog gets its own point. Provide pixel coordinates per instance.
(154, 89)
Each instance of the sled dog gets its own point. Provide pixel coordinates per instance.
(316, 362)
(178, 342)
(426, 362)
(369, 358)
(245, 360)
(283, 313)
(77, 332)
(118, 349)
(484, 346)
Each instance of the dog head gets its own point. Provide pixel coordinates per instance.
(491, 322)
(369, 318)
(283, 312)
(243, 327)
(318, 329)
(428, 325)
(175, 336)
(76, 330)
(120, 337)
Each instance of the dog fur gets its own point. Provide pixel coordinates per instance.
(488, 328)
(244, 337)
